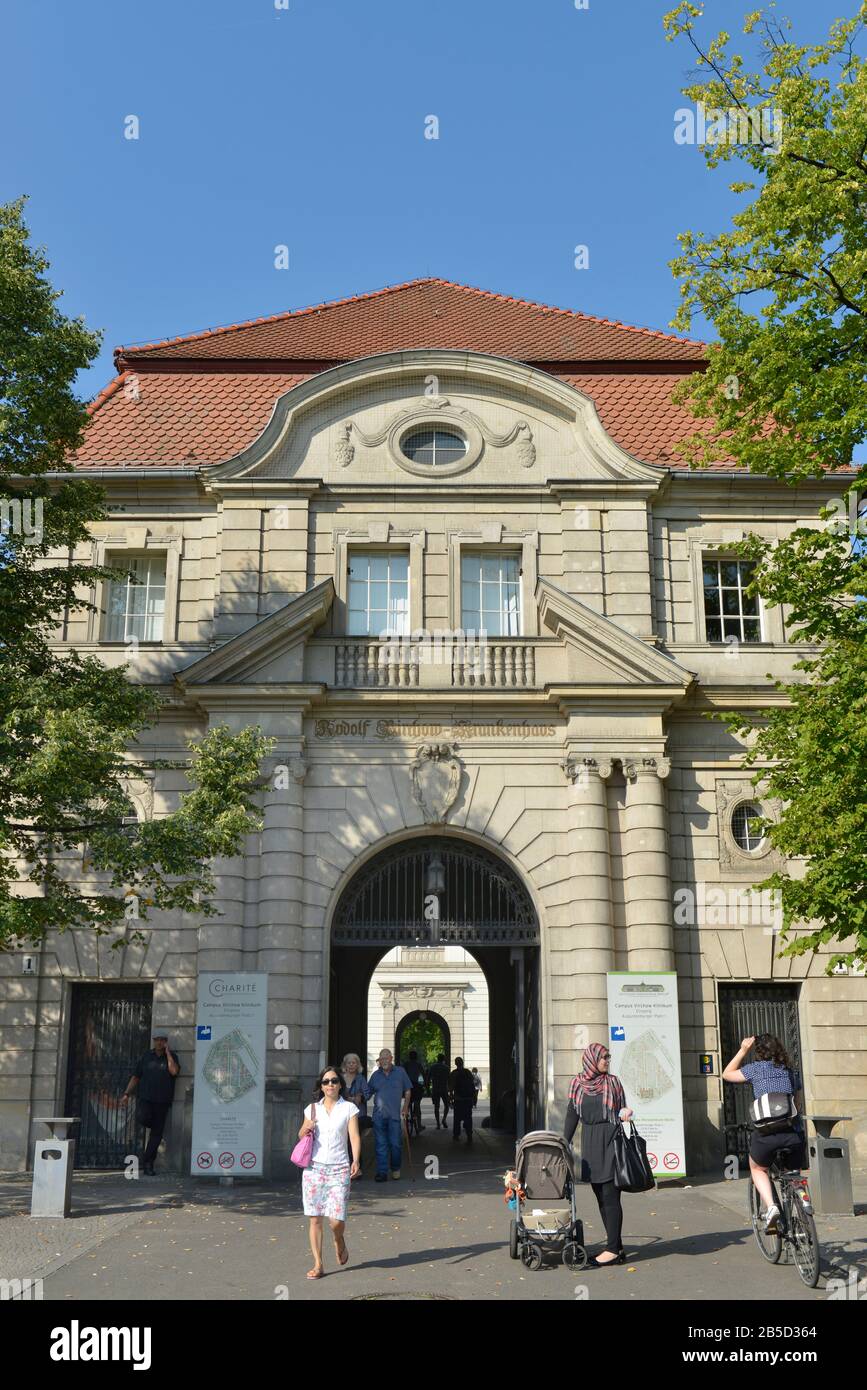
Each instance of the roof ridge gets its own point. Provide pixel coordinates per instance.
(107, 391)
(121, 350)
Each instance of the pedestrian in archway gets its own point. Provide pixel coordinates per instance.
(439, 1088)
(391, 1089)
(462, 1093)
(598, 1100)
(356, 1090)
(325, 1184)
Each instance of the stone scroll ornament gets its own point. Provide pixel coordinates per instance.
(343, 449)
(436, 780)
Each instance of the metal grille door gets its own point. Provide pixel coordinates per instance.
(746, 1011)
(110, 1030)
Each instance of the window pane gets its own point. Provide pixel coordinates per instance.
(714, 633)
(730, 603)
(709, 572)
(399, 567)
(730, 572)
(732, 627)
(357, 622)
(752, 630)
(711, 602)
(378, 566)
(750, 605)
(471, 567)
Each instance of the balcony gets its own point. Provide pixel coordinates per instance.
(434, 663)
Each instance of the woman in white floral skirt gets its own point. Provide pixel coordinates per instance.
(333, 1120)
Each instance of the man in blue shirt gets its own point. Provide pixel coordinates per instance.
(390, 1089)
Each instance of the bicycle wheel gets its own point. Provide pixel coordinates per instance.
(770, 1245)
(805, 1243)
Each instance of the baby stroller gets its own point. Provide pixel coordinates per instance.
(544, 1171)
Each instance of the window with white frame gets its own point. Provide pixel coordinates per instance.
(378, 594)
(135, 605)
(729, 612)
(491, 593)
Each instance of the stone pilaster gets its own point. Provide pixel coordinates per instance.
(279, 935)
(647, 883)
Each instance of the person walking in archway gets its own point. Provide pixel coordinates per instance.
(462, 1093)
(325, 1184)
(439, 1088)
(598, 1100)
(390, 1088)
(355, 1089)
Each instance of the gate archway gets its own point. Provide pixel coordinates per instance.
(443, 890)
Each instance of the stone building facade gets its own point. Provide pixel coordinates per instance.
(437, 545)
(441, 983)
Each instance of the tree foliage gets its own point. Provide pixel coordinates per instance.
(784, 396)
(68, 724)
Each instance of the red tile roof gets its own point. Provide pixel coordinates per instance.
(193, 418)
(200, 399)
(426, 313)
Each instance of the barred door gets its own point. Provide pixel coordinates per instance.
(110, 1030)
(746, 1011)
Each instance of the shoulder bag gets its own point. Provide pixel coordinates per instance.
(632, 1172)
(302, 1154)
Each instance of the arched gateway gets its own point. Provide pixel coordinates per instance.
(445, 890)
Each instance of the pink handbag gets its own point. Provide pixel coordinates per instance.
(302, 1154)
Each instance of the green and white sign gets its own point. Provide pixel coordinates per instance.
(644, 1042)
(229, 1094)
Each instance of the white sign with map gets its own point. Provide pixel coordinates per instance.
(229, 1094)
(644, 1042)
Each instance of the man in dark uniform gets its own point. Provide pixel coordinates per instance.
(439, 1086)
(462, 1093)
(154, 1076)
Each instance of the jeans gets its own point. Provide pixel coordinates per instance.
(388, 1137)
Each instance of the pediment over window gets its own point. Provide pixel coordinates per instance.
(409, 417)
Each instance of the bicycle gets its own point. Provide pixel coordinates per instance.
(413, 1118)
(795, 1224)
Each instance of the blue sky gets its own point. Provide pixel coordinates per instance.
(304, 127)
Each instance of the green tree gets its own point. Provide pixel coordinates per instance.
(783, 396)
(425, 1037)
(68, 725)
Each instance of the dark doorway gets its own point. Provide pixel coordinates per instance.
(110, 1029)
(746, 1011)
(414, 1030)
(481, 905)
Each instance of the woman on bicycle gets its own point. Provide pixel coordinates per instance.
(771, 1073)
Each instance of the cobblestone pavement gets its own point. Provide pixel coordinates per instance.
(443, 1238)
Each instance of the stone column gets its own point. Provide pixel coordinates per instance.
(281, 872)
(581, 987)
(647, 883)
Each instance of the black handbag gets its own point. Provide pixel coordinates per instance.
(632, 1172)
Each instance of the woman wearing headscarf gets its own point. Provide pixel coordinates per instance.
(597, 1099)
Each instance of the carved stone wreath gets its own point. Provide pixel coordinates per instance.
(730, 793)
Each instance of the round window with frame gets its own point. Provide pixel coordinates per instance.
(433, 446)
(747, 831)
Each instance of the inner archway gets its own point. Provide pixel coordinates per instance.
(435, 891)
(426, 1033)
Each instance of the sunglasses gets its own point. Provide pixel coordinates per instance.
(331, 1081)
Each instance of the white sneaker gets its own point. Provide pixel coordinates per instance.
(771, 1215)
(395, 1173)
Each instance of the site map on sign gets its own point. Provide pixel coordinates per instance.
(231, 1066)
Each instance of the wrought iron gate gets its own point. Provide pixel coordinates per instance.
(745, 1011)
(110, 1030)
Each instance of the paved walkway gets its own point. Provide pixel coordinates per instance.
(422, 1237)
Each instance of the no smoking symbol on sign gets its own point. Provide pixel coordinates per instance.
(671, 1160)
(227, 1160)
(653, 1160)
(205, 1160)
(248, 1160)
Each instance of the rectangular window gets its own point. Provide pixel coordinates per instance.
(136, 608)
(728, 611)
(378, 594)
(491, 593)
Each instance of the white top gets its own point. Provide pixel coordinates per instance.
(331, 1136)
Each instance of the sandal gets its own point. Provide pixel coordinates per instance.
(315, 1273)
(342, 1253)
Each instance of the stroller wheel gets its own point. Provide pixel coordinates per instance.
(574, 1255)
(532, 1256)
(513, 1240)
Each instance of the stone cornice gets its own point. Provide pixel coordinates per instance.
(250, 650)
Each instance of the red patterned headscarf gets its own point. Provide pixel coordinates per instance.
(593, 1082)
